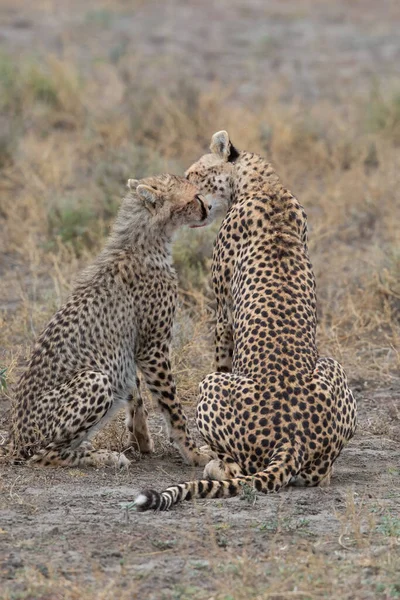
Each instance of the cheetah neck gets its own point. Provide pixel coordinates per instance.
(256, 184)
(135, 243)
(252, 174)
(134, 227)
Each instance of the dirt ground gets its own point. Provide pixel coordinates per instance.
(65, 534)
(70, 524)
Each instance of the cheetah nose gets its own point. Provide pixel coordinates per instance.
(209, 207)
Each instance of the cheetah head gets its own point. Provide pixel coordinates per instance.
(170, 202)
(213, 172)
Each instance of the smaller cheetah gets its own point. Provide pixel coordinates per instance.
(275, 413)
(117, 320)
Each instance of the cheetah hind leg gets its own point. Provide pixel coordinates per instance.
(331, 385)
(312, 477)
(83, 456)
(80, 407)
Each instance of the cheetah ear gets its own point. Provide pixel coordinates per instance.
(223, 147)
(148, 196)
(132, 184)
(220, 144)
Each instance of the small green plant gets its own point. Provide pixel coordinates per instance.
(101, 17)
(249, 493)
(389, 526)
(183, 592)
(164, 544)
(391, 591)
(221, 526)
(394, 471)
(394, 590)
(127, 506)
(271, 526)
(41, 85)
(221, 539)
(383, 114)
(286, 524)
(302, 523)
(200, 565)
(75, 222)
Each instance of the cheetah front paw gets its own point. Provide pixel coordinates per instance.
(326, 482)
(87, 445)
(200, 458)
(214, 470)
(141, 443)
(120, 460)
(207, 450)
(221, 471)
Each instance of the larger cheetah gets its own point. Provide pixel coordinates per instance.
(118, 319)
(274, 413)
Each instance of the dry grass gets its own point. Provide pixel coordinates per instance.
(70, 137)
(64, 167)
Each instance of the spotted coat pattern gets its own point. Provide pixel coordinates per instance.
(117, 321)
(274, 412)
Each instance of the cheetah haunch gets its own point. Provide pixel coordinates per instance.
(118, 319)
(274, 413)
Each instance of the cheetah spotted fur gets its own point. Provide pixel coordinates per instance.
(275, 412)
(118, 320)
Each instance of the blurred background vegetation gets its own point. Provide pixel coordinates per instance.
(92, 93)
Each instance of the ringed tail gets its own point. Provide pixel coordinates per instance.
(276, 476)
(202, 488)
(283, 465)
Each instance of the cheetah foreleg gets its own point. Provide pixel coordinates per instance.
(83, 456)
(156, 369)
(223, 344)
(136, 422)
